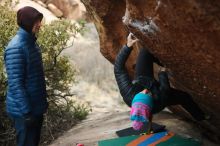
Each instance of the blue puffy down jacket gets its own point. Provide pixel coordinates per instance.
(26, 92)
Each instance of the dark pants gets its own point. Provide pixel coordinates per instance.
(165, 95)
(28, 134)
(185, 100)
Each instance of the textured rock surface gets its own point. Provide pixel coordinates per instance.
(73, 9)
(57, 12)
(184, 35)
(48, 15)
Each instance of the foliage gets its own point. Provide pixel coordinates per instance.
(62, 117)
(7, 21)
(53, 38)
(81, 111)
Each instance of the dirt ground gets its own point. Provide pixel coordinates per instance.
(103, 126)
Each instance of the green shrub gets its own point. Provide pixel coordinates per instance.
(53, 38)
(80, 111)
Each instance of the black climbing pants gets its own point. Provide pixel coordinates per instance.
(163, 94)
(175, 97)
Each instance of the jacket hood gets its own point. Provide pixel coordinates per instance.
(27, 16)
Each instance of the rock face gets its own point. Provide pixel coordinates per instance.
(184, 35)
(72, 9)
(57, 12)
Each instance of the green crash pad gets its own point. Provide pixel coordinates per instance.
(122, 141)
(177, 140)
(157, 139)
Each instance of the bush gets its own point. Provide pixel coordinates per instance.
(63, 112)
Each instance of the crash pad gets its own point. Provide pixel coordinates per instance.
(157, 139)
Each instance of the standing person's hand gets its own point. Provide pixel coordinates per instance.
(30, 120)
(131, 40)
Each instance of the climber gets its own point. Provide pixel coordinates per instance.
(145, 95)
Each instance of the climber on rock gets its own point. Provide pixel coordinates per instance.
(145, 95)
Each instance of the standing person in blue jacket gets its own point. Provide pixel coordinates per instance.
(26, 94)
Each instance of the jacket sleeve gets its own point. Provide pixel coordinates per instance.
(121, 75)
(15, 62)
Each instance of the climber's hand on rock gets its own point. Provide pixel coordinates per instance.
(131, 40)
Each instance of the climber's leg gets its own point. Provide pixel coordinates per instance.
(185, 100)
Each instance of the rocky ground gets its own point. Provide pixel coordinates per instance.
(103, 126)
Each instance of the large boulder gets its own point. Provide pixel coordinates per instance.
(57, 12)
(72, 9)
(184, 35)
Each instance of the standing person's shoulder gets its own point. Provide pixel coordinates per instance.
(15, 46)
(13, 43)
